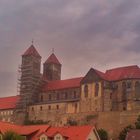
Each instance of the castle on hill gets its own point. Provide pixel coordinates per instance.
(47, 98)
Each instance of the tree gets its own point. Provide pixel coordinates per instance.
(72, 122)
(137, 123)
(103, 134)
(124, 132)
(11, 135)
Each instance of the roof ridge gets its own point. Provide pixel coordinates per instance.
(66, 79)
(122, 67)
(52, 59)
(10, 96)
(31, 51)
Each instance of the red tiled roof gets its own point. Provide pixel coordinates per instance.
(72, 132)
(121, 73)
(63, 84)
(31, 51)
(53, 59)
(133, 135)
(129, 72)
(35, 131)
(101, 74)
(8, 102)
(24, 130)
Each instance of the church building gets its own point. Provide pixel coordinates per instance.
(46, 97)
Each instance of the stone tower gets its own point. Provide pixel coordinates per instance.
(52, 68)
(30, 84)
(30, 76)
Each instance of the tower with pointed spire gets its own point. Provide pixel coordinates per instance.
(52, 68)
(30, 76)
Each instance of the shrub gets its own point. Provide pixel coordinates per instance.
(102, 134)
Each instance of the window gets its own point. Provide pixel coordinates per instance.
(32, 108)
(110, 96)
(58, 96)
(86, 91)
(137, 89)
(124, 93)
(41, 108)
(76, 107)
(96, 89)
(74, 94)
(129, 85)
(50, 97)
(43, 138)
(58, 138)
(66, 95)
(41, 98)
(57, 107)
(49, 107)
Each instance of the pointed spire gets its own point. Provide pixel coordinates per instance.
(31, 51)
(52, 59)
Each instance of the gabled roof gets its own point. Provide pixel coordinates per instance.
(52, 59)
(24, 130)
(92, 75)
(71, 132)
(63, 84)
(133, 135)
(35, 131)
(128, 72)
(116, 74)
(31, 51)
(8, 102)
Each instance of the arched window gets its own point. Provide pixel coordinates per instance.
(57, 107)
(76, 107)
(74, 94)
(41, 108)
(32, 108)
(49, 107)
(66, 95)
(58, 96)
(137, 89)
(41, 98)
(86, 91)
(111, 95)
(129, 85)
(124, 92)
(96, 89)
(50, 97)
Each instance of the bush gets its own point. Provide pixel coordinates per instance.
(72, 122)
(27, 122)
(137, 123)
(102, 134)
(11, 135)
(124, 132)
(90, 117)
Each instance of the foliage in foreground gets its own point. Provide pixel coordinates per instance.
(102, 134)
(11, 135)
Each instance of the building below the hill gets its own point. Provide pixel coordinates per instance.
(46, 132)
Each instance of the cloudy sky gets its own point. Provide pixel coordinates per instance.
(84, 33)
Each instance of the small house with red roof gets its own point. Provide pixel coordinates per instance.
(46, 132)
(133, 135)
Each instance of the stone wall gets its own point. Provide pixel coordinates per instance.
(114, 122)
